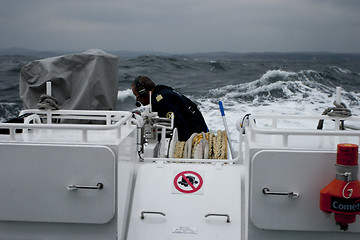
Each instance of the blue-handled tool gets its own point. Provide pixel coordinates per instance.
(221, 109)
(226, 128)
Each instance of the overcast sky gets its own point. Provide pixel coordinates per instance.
(182, 26)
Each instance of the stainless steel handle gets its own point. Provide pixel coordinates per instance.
(266, 191)
(76, 187)
(149, 212)
(219, 215)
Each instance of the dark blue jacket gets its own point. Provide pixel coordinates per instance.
(188, 119)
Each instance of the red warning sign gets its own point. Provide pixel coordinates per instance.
(188, 182)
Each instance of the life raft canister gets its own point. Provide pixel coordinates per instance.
(342, 195)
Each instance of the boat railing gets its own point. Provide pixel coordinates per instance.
(273, 126)
(191, 160)
(81, 120)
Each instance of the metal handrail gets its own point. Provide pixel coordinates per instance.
(121, 118)
(286, 133)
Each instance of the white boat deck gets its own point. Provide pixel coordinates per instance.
(165, 198)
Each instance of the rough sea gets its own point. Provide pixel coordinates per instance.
(256, 83)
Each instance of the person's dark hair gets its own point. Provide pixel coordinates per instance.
(142, 84)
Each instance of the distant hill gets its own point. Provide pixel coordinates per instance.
(44, 54)
(29, 52)
(250, 56)
(279, 56)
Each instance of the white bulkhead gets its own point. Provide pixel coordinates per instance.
(186, 201)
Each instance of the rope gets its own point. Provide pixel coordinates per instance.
(48, 102)
(340, 110)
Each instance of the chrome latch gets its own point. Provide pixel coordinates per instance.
(266, 191)
(76, 187)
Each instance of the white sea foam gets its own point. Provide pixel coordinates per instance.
(300, 94)
(122, 95)
(276, 74)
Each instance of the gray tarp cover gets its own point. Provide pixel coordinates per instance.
(85, 81)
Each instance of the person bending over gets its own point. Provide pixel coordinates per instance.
(165, 101)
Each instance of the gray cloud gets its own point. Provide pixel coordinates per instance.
(182, 25)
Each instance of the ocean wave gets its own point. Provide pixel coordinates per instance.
(275, 75)
(162, 62)
(246, 83)
(340, 70)
(8, 111)
(13, 64)
(275, 92)
(275, 85)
